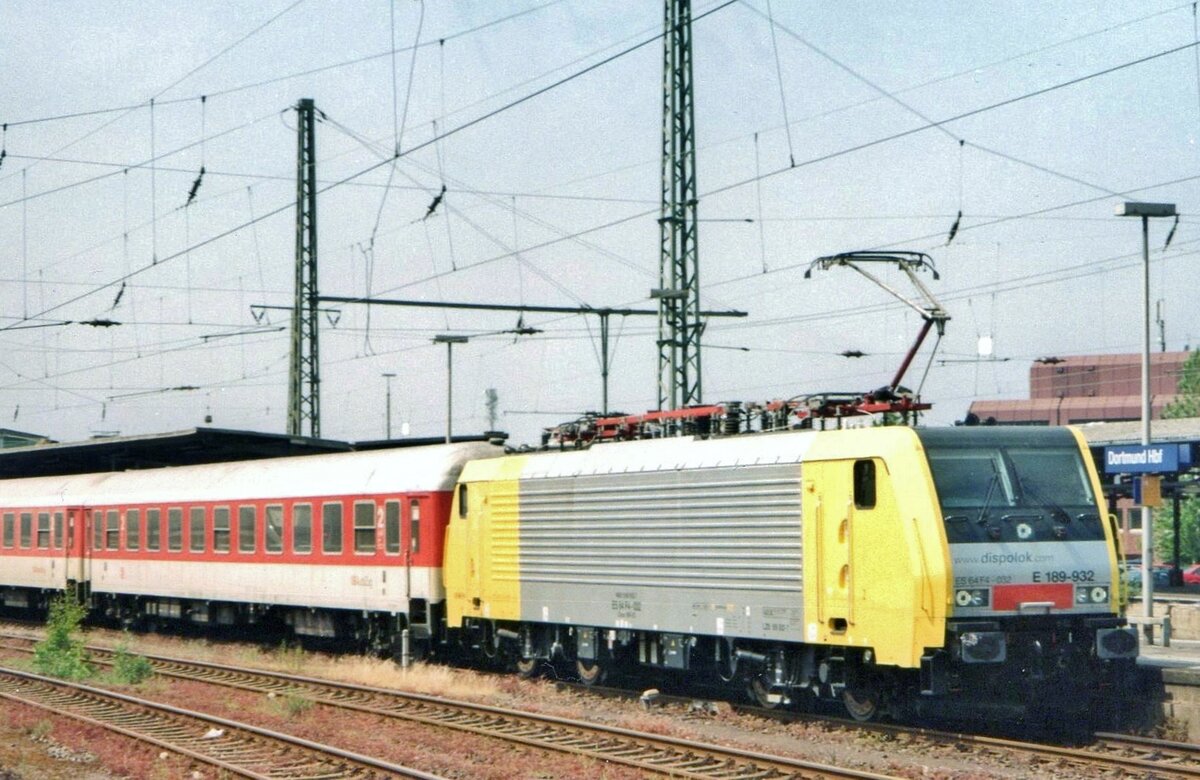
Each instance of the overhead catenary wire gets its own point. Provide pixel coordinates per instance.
(975, 112)
(845, 151)
(126, 110)
(275, 80)
(787, 124)
(518, 249)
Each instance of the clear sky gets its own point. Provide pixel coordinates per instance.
(553, 200)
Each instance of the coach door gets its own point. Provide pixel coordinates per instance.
(76, 549)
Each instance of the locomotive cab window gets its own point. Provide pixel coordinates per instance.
(133, 529)
(331, 528)
(196, 529)
(462, 500)
(221, 529)
(8, 529)
(175, 529)
(391, 527)
(302, 528)
(247, 528)
(364, 526)
(26, 530)
(153, 529)
(43, 531)
(274, 528)
(864, 484)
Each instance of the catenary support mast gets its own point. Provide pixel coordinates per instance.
(679, 323)
(304, 407)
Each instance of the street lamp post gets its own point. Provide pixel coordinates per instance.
(449, 341)
(1146, 211)
(388, 379)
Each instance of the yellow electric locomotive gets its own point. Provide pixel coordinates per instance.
(884, 567)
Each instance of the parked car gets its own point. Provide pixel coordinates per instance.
(1162, 576)
(1191, 574)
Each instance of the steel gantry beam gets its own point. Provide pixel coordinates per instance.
(679, 318)
(603, 312)
(304, 380)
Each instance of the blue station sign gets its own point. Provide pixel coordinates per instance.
(1146, 458)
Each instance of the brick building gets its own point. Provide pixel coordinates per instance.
(1087, 388)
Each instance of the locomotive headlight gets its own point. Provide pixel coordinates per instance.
(1091, 594)
(972, 597)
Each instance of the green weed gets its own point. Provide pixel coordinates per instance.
(61, 653)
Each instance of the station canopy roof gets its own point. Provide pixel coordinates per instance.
(178, 448)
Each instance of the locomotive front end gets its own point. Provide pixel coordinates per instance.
(1035, 617)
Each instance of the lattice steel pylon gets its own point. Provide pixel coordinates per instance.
(679, 320)
(304, 376)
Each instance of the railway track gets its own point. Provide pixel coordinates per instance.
(1129, 755)
(1135, 756)
(238, 749)
(652, 753)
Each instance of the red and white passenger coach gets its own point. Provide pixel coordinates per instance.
(346, 545)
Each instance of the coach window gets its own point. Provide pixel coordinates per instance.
(414, 524)
(153, 528)
(864, 484)
(26, 529)
(58, 530)
(274, 528)
(133, 529)
(43, 531)
(97, 530)
(364, 527)
(391, 526)
(331, 528)
(8, 529)
(196, 529)
(174, 529)
(302, 528)
(220, 529)
(112, 530)
(247, 528)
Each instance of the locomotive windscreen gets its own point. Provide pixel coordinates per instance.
(1012, 485)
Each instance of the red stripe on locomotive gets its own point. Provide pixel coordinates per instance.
(1010, 597)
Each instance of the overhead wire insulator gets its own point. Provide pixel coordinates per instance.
(117, 299)
(437, 201)
(954, 228)
(1171, 234)
(195, 187)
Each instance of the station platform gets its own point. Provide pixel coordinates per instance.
(1171, 671)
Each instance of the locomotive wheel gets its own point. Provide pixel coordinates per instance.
(762, 693)
(861, 703)
(528, 668)
(590, 672)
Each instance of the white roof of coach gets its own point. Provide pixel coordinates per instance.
(397, 470)
(672, 454)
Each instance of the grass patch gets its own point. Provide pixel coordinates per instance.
(62, 654)
(128, 668)
(290, 703)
